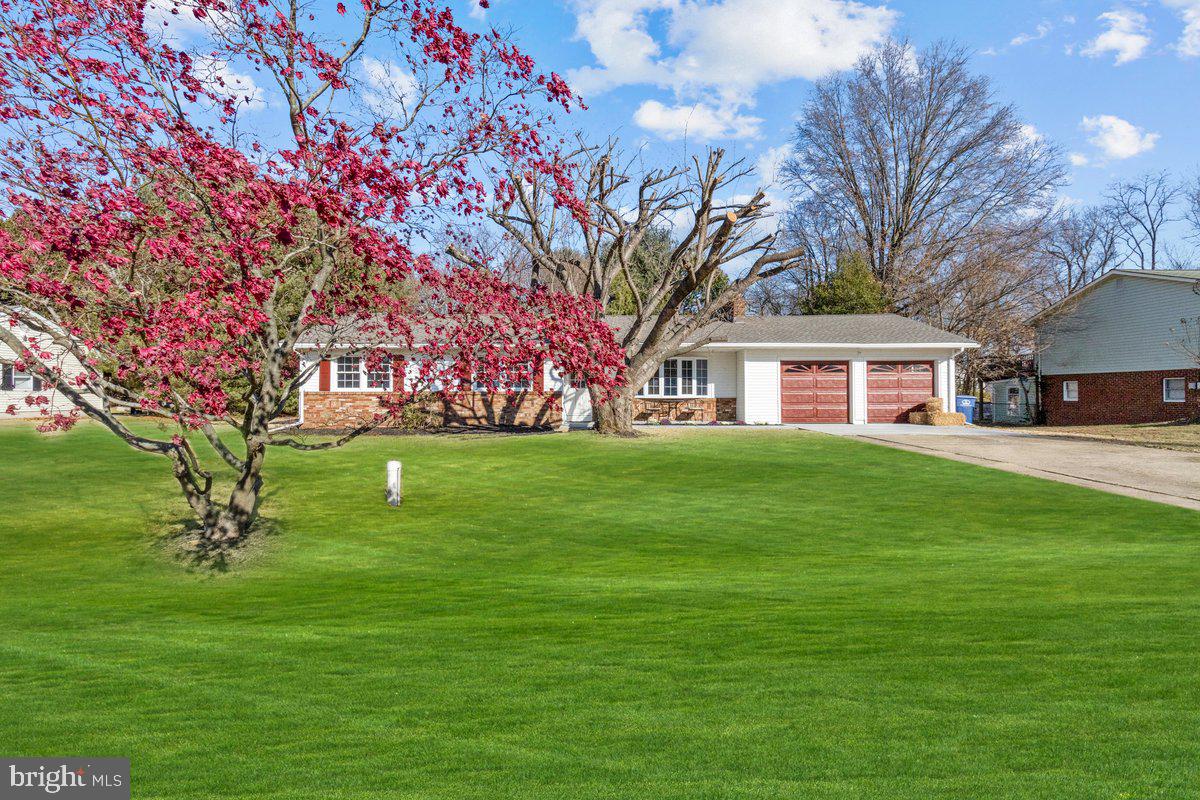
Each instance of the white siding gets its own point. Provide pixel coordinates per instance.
(858, 391)
(58, 404)
(722, 373)
(740, 358)
(762, 386)
(1126, 324)
(311, 383)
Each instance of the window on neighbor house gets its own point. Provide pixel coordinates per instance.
(1014, 401)
(349, 372)
(678, 377)
(1174, 390)
(381, 379)
(1071, 391)
(14, 380)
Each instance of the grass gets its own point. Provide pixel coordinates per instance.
(1183, 435)
(706, 614)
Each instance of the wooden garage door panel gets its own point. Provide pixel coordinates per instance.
(814, 391)
(895, 388)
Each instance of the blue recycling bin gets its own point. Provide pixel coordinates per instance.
(965, 405)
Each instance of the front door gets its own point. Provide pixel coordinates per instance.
(577, 403)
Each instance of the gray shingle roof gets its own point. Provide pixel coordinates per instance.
(820, 329)
(807, 329)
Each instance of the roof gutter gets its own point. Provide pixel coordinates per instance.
(837, 345)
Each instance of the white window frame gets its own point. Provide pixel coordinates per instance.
(21, 381)
(506, 384)
(342, 370)
(1070, 387)
(1013, 400)
(657, 385)
(1183, 390)
(385, 369)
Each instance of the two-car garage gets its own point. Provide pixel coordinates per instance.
(819, 391)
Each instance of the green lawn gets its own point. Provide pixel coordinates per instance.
(709, 614)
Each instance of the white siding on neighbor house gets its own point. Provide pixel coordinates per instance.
(58, 404)
(1126, 324)
(1027, 400)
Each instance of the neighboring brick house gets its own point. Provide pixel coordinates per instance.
(757, 370)
(1121, 350)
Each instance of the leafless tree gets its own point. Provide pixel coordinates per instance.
(1192, 198)
(918, 161)
(810, 227)
(988, 295)
(1082, 245)
(1142, 207)
(585, 255)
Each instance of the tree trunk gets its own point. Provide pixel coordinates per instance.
(228, 526)
(614, 416)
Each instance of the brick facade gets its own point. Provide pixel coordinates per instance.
(1114, 398)
(340, 410)
(690, 409)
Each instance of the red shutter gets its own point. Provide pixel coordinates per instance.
(397, 373)
(539, 377)
(323, 377)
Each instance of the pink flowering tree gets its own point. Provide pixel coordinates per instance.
(190, 187)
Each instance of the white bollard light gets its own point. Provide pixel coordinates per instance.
(395, 493)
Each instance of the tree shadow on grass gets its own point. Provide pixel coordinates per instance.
(178, 538)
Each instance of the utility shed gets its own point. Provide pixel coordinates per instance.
(1014, 400)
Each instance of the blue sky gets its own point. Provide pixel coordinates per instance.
(1115, 84)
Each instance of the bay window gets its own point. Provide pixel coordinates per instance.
(678, 377)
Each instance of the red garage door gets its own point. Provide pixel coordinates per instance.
(814, 391)
(895, 388)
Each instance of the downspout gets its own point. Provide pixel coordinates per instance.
(1037, 377)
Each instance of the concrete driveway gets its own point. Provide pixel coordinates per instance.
(1166, 476)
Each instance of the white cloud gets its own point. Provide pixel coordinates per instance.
(476, 11)
(1030, 134)
(1188, 45)
(1126, 36)
(1025, 38)
(392, 86)
(176, 21)
(719, 52)
(1117, 138)
(769, 166)
(223, 81)
(700, 122)
(1078, 159)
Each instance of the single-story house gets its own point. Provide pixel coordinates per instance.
(1122, 349)
(756, 370)
(18, 385)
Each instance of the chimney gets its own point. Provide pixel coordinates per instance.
(737, 307)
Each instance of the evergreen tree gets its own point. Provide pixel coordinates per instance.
(650, 260)
(851, 289)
